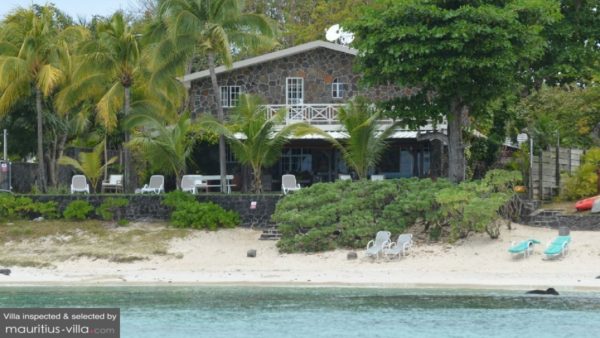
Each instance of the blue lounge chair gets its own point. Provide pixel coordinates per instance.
(523, 247)
(558, 247)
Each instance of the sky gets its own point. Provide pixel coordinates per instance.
(74, 8)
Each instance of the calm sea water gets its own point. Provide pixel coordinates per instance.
(171, 312)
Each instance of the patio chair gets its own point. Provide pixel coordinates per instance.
(345, 177)
(190, 183)
(377, 177)
(395, 249)
(115, 183)
(375, 247)
(156, 185)
(79, 184)
(523, 247)
(558, 247)
(288, 184)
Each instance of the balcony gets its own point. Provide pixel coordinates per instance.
(315, 114)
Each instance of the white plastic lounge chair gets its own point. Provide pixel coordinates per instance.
(395, 249)
(377, 177)
(115, 183)
(558, 247)
(79, 184)
(288, 184)
(345, 177)
(156, 185)
(375, 248)
(190, 183)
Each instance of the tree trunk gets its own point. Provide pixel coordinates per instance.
(220, 117)
(128, 185)
(456, 148)
(105, 156)
(40, 141)
(257, 180)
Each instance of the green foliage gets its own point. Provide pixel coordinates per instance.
(78, 210)
(89, 163)
(349, 214)
(12, 207)
(48, 210)
(584, 182)
(112, 209)
(188, 213)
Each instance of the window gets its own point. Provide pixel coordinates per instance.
(337, 89)
(296, 160)
(294, 89)
(230, 95)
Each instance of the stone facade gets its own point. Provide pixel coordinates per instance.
(556, 218)
(318, 67)
(144, 207)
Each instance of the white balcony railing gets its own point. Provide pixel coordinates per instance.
(319, 113)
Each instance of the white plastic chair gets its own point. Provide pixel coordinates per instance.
(79, 184)
(156, 185)
(189, 183)
(115, 182)
(399, 247)
(377, 177)
(288, 184)
(345, 177)
(375, 247)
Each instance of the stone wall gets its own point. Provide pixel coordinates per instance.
(556, 218)
(318, 67)
(144, 207)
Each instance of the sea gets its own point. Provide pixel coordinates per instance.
(280, 312)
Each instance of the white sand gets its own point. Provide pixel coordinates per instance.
(220, 257)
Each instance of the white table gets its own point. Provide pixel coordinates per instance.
(211, 181)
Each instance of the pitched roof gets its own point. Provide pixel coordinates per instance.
(273, 56)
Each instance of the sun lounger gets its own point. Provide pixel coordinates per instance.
(558, 247)
(79, 184)
(288, 184)
(375, 248)
(156, 185)
(523, 247)
(114, 183)
(395, 249)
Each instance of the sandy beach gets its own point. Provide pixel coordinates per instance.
(220, 258)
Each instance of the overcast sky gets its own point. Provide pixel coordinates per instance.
(74, 8)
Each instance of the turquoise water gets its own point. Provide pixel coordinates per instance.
(325, 312)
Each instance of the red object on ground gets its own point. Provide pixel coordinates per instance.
(586, 204)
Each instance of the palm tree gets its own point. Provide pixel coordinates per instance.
(167, 147)
(213, 27)
(89, 163)
(366, 142)
(255, 140)
(29, 53)
(111, 63)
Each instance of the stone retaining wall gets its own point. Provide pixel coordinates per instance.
(556, 218)
(149, 206)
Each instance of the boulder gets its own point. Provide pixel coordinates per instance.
(251, 253)
(352, 255)
(549, 291)
(5, 272)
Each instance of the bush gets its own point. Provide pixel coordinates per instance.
(188, 213)
(584, 182)
(349, 214)
(48, 210)
(112, 209)
(12, 207)
(78, 210)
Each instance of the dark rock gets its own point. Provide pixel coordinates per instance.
(563, 231)
(597, 277)
(5, 272)
(251, 253)
(352, 255)
(549, 291)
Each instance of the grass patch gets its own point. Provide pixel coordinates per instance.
(40, 244)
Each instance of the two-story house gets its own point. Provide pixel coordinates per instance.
(312, 81)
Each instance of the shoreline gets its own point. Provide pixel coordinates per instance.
(215, 259)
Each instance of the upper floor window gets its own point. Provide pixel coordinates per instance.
(294, 91)
(337, 89)
(230, 95)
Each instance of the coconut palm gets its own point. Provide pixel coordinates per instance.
(367, 141)
(212, 28)
(110, 65)
(256, 140)
(89, 163)
(29, 53)
(167, 147)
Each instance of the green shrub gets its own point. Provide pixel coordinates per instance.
(203, 216)
(12, 207)
(349, 214)
(78, 210)
(189, 213)
(112, 209)
(584, 182)
(48, 210)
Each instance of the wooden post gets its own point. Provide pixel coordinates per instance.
(557, 174)
(541, 175)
